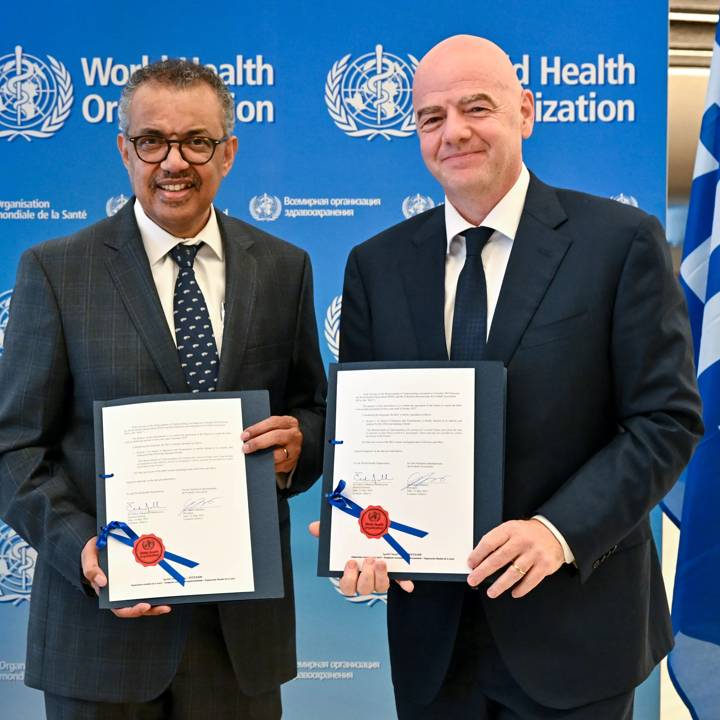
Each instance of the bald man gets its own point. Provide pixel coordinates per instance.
(564, 611)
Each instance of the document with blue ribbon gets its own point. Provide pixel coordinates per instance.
(414, 465)
(183, 514)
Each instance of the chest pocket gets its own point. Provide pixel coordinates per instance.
(555, 330)
(267, 353)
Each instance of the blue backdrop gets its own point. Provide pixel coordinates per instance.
(327, 158)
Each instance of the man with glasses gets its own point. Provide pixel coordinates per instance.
(94, 318)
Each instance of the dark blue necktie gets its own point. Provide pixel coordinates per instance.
(469, 330)
(193, 330)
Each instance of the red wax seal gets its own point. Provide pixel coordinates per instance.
(148, 550)
(374, 521)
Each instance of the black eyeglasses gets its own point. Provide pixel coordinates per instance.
(196, 150)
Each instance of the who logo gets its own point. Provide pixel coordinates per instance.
(17, 567)
(4, 315)
(367, 600)
(115, 203)
(372, 95)
(415, 204)
(35, 97)
(625, 199)
(265, 208)
(332, 326)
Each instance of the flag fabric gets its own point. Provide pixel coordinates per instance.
(694, 663)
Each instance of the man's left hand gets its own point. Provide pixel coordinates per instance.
(281, 432)
(526, 548)
(371, 578)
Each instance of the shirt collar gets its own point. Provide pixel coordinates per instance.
(504, 217)
(159, 242)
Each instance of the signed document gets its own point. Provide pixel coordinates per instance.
(175, 498)
(404, 464)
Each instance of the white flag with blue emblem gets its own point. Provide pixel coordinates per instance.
(694, 664)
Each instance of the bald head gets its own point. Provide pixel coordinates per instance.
(472, 116)
(463, 56)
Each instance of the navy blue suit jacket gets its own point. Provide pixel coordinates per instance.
(603, 413)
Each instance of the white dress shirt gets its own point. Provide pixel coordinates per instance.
(504, 219)
(209, 267)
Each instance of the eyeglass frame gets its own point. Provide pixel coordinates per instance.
(179, 143)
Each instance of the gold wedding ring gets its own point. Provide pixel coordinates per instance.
(287, 457)
(517, 568)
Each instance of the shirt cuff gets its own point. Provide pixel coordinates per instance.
(284, 480)
(567, 552)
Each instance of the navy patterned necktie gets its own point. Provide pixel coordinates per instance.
(469, 330)
(193, 330)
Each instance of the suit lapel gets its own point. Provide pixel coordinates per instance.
(536, 254)
(423, 273)
(128, 266)
(240, 292)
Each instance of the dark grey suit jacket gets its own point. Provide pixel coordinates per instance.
(602, 415)
(86, 324)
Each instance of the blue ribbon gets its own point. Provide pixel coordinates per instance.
(132, 536)
(339, 501)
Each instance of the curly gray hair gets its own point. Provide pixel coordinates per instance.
(179, 74)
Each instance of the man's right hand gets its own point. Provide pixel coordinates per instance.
(371, 578)
(96, 577)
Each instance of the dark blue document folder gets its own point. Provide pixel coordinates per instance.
(262, 502)
(490, 401)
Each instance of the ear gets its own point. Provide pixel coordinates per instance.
(229, 152)
(527, 112)
(124, 147)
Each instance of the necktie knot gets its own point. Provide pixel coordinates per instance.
(184, 255)
(476, 238)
